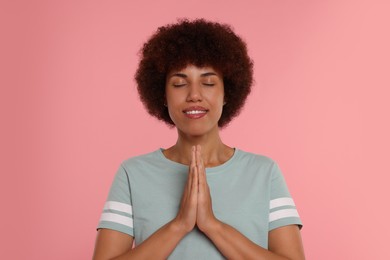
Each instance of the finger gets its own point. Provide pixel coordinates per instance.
(194, 189)
(193, 155)
(195, 182)
(201, 168)
(198, 156)
(194, 172)
(191, 171)
(198, 150)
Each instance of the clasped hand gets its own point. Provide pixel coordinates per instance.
(196, 207)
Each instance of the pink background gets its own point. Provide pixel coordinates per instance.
(70, 114)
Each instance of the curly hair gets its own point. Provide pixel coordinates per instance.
(200, 43)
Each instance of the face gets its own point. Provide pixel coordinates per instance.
(195, 99)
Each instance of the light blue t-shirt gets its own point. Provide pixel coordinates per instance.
(248, 193)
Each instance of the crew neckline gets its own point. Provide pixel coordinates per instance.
(209, 170)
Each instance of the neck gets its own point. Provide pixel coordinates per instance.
(214, 151)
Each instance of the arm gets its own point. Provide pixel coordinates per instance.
(284, 242)
(111, 244)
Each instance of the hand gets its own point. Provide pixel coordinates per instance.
(186, 216)
(205, 217)
(196, 206)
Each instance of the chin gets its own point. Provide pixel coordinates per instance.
(195, 131)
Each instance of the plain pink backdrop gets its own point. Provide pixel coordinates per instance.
(70, 115)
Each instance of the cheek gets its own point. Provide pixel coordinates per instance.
(219, 101)
(218, 107)
(172, 110)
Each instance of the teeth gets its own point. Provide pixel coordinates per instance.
(194, 112)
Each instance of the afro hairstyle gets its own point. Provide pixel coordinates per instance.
(199, 43)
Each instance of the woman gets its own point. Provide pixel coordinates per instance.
(199, 199)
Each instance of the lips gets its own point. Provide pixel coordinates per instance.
(195, 112)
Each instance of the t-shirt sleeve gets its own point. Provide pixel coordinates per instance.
(118, 212)
(282, 209)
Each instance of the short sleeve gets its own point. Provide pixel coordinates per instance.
(282, 209)
(118, 212)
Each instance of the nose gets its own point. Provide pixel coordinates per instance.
(194, 93)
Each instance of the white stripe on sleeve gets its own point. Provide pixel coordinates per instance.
(116, 218)
(280, 202)
(283, 213)
(118, 206)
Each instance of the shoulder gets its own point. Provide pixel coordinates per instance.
(141, 159)
(254, 159)
(146, 164)
(254, 164)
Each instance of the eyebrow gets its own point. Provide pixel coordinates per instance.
(208, 74)
(182, 75)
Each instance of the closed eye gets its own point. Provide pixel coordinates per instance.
(209, 84)
(179, 85)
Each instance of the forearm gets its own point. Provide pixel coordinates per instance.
(159, 245)
(234, 245)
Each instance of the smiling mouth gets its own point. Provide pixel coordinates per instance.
(195, 112)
